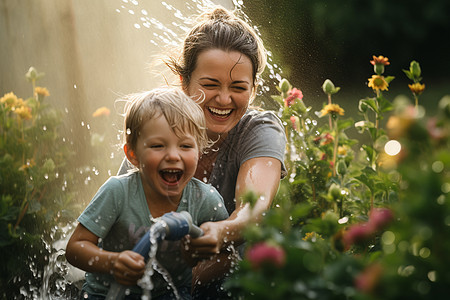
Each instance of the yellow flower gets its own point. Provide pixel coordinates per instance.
(380, 60)
(9, 99)
(41, 91)
(24, 112)
(102, 111)
(30, 163)
(378, 82)
(312, 236)
(342, 150)
(417, 88)
(332, 109)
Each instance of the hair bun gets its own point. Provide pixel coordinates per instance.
(218, 13)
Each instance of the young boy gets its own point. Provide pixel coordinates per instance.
(164, 134)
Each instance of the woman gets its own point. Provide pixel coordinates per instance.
(221, 61)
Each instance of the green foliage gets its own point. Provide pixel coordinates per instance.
(355, 221)
(34, 177)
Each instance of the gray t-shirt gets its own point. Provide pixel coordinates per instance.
(120, 216)
(257, 134)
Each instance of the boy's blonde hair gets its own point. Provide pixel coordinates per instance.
(182, 113)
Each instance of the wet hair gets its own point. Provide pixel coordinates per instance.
(182, 113)
(219, 29)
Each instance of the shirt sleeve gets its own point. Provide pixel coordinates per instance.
(263, 136)
(103, 210)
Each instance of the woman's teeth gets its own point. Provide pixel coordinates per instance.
(220, 112)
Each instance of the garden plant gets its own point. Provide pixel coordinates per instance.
(351, 220)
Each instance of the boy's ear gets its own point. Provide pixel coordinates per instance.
(130, 155)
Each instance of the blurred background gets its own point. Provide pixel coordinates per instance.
(92, 52)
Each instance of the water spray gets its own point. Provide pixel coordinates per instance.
(171, 226)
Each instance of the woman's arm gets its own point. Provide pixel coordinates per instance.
(82, 252)
(260, 175)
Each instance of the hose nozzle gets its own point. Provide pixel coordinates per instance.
(171, 226)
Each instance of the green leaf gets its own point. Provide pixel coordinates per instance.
(344, 124)
(368, 103)
(384, 104)
(389, 78)
(278, 99)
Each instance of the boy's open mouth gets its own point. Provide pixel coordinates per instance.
(171, 175)
(220, 113)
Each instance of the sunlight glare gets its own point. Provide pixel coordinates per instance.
(392, 147)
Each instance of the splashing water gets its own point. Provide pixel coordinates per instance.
(145, 282)
(62, 281)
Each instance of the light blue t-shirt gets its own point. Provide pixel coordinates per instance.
(119, 215)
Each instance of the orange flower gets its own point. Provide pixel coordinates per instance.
(380, 60)
(333, 109)
(378, 82)
(102, 111)
(417, 88)
(41, 91)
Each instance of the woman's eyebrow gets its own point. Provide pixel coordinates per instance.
(209, 78)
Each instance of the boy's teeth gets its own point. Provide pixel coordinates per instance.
(171, 175)
(220, 111)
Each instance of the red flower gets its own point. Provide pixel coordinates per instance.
(292, 96)
(263, 253)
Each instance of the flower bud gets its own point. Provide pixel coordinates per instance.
(328, 86)
(341, 168)
(334, 191)
(378, 69)
(415, 70)
(284, 86)
(32, 73)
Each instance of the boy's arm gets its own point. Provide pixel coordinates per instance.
(82, 252)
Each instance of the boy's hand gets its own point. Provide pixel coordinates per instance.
(128, 267)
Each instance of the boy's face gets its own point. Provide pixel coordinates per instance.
(166, 162)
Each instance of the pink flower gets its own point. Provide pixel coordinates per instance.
(295, 122)
(356, 234)
(292, 96)
(368, 279)
(436, 132)
(263, 253)
(379, 218)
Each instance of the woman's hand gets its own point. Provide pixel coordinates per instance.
(206, 246)
(128, 268)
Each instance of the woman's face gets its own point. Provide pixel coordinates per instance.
(226, 80)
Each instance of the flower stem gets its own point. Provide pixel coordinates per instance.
(329, 117)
